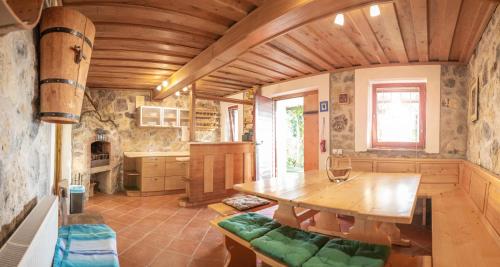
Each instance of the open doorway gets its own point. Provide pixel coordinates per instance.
(290, 135)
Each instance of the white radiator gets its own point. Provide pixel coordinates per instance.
(34, 241)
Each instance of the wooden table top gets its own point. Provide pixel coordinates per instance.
(385, 197)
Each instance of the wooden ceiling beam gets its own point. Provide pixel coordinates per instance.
(227, 75)
(405, 18)
(270, 20)
(152, 77)
(131, 70)
(222, 85)
(443, 17)
(237, 5)
(226, 81)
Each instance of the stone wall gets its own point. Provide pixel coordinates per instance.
(25, 155)
(453, 132)
(122, 132)
(484, 134)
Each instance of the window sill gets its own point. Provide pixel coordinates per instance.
(395, 149)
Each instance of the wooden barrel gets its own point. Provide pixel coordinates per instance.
(66, 43)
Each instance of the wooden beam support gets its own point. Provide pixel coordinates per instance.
(225, 99)
(272, 19)
(192, 113)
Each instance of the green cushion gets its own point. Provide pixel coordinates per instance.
(249, 225)
(342, 253)
(289, 245)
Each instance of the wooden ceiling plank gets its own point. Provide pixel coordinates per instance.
(464, 29)
(337, 36)
(224, 99)
(238, 5)
(216, 7)
(296, 45)
(256, 2)
(448, 30)
(259, 69)
(316, 38)
(134, 63)
(405, 18)
(485, 13)
(218, 88)
(272, 51)
(227, 75)
(248, 73)
(270, 20)
(420, 27)
(109, 74)
(150, 16)
(386, 28)
(138, 55)
(222, 85)
(148, 33)
(359, 21)
(256, 58)
(182, 7)
(226, 81)
(131, 70)
(141, 45)
(357, 38)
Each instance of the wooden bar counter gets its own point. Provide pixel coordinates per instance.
(215, 168)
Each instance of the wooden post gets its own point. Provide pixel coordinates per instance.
(192, 113)
(57, 159)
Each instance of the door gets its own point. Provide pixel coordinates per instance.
(311, 132)
(264, 150)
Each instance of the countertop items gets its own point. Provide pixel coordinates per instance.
(156, 154)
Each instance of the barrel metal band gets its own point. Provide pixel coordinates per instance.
(70, 82)
(67, 30)
(60, 115)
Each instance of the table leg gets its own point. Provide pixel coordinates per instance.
(239, 256)
(326, 223)
(424, 211)
(285, 214)
(394, 233)
(368, 231)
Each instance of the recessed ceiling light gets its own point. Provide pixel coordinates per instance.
(374, 11)
(185, 89)
(158, 88)
(177, 93)
(339, 19)
(164, 83)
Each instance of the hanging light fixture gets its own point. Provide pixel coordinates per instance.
(164, 83)
(339, 19)
(185, 89)
(374, 10)
(177, 93)
(158, 88)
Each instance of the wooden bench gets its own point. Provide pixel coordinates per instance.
(466, 221)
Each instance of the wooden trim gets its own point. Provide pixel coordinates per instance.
(192, 113)
(224, 99)
(289, 96)
(393, 87)
(58, 159)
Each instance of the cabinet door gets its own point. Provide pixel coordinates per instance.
(150, 116)
(174, 183)
(151, 184)
(153, 168)
(183, 117)
(175, 169)
(169, 117)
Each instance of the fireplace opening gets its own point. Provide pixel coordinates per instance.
(99, 152)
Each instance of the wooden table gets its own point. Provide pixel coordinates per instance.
(377, 201)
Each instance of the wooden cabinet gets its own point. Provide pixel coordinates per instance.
(159, 175)
(163, 117)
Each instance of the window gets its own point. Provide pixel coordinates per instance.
(233, 123)
(398, 115)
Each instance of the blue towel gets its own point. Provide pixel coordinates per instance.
(82, 245)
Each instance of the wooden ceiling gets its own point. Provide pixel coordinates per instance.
(140, 43)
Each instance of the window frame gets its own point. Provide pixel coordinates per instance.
(396, 87)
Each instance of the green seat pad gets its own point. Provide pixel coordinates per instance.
(289, 245)
(249, 225)
(342, 253)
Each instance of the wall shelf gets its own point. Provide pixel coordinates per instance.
(162, 117)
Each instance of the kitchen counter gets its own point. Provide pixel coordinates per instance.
(156, 154)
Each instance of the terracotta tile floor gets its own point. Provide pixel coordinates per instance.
(155, 231)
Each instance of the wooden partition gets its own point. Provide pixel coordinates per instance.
(215, 167)
(483, 188)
